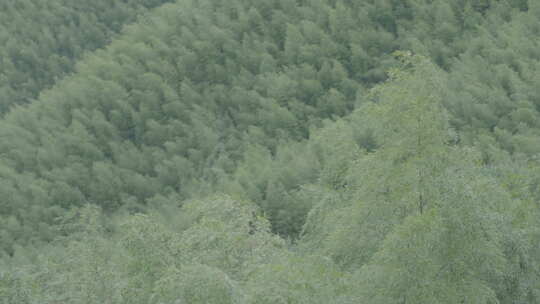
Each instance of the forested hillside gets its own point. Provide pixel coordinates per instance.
(40, 41)
(282, 151)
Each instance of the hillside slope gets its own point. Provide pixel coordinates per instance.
(171, 107)
(407, 216)
(40, 41)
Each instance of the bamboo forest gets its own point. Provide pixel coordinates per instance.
(269, 152)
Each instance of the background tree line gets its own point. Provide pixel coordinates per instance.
(42, 41)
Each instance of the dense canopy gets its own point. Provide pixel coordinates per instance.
(279, 151)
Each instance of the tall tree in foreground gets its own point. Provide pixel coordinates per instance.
(424, 223)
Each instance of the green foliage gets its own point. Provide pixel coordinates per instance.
(196, 284)
(293, 278)
(384, 186)
(143, 259)
(12, 290)
(350, 173)
(419, 220)
(170, 108)
(42, 41)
